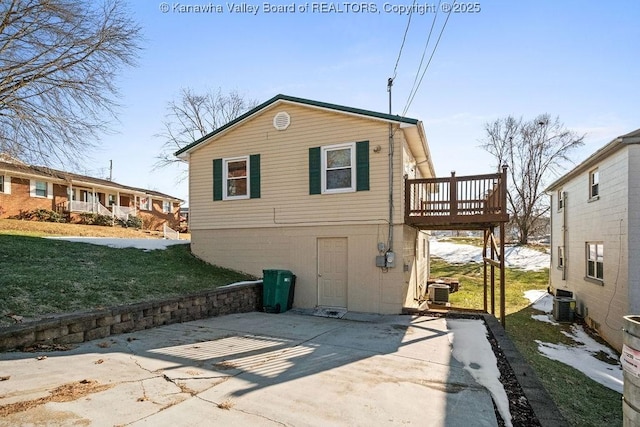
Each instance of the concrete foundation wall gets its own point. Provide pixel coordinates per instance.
(369, 288)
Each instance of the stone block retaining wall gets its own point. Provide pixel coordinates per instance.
(86, 326)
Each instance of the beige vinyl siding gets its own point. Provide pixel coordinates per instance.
(284, 163)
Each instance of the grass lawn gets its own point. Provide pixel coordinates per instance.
(471, 293)
(582, 401)
(41, 229)
(43, 276)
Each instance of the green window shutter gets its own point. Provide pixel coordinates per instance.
(217, 179)
(362, 166)
(254, 176)
(314, 171)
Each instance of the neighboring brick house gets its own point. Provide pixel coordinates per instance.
(25, 187)
(595, 236)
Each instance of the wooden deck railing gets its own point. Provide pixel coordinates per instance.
(457, 202)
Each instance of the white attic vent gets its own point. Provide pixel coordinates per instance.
(282, 120)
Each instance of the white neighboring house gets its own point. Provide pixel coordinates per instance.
(595, 236)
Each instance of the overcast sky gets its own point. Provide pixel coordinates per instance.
(579, 60)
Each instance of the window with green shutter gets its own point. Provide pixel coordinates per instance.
(339, 168)
(254, 176)
(217, 179)
(362, 166)
(236, 178)
(315, 170)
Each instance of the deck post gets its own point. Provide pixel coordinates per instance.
(484, 268)
(503, 190)
(407, 198)
(502, 274)
(453, 195)
(493, 272)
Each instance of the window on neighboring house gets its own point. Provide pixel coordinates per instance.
(561, 256)
(41, 189)
(86, 196)
(112, 199)
(595, 260)
(145, 203)
(236, 178)
(5, 184)
(594, 182)
(339, 168)
(560, 200)
(166, 206)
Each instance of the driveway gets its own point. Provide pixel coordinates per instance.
(253, 369)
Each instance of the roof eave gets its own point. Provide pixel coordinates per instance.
(602, 153)
(184, 152)
(62, 177)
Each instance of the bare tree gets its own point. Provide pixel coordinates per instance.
(193, 115)
(533, 150)
(58, 63)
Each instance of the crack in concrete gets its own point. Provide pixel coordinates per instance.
(184, 389)
(220, 405)
(262, 416)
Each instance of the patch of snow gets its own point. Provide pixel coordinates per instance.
(514, 256)
(544, 318)
(114, 242)
(470, 347)
(580, 356)
(541, 300)
(246, 282)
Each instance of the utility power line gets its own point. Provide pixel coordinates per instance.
(414, 89)
(404, 38)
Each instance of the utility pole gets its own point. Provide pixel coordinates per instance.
(390, 244)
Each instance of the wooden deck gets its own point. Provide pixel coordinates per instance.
(477, 202)
(465, 203)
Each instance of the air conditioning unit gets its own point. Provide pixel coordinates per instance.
(563, 309)
(439, 293)
(564, 293)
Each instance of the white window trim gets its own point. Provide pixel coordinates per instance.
(166, 206)
(225, 175)
(560, 200)
(561, 257)
(147, 206)
(595, 261)
(6, 184)
(323, 168)
(32, 189)
(591, 174)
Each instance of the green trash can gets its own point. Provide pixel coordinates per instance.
(277, 290)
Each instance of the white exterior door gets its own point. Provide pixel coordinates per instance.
(332, 272)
